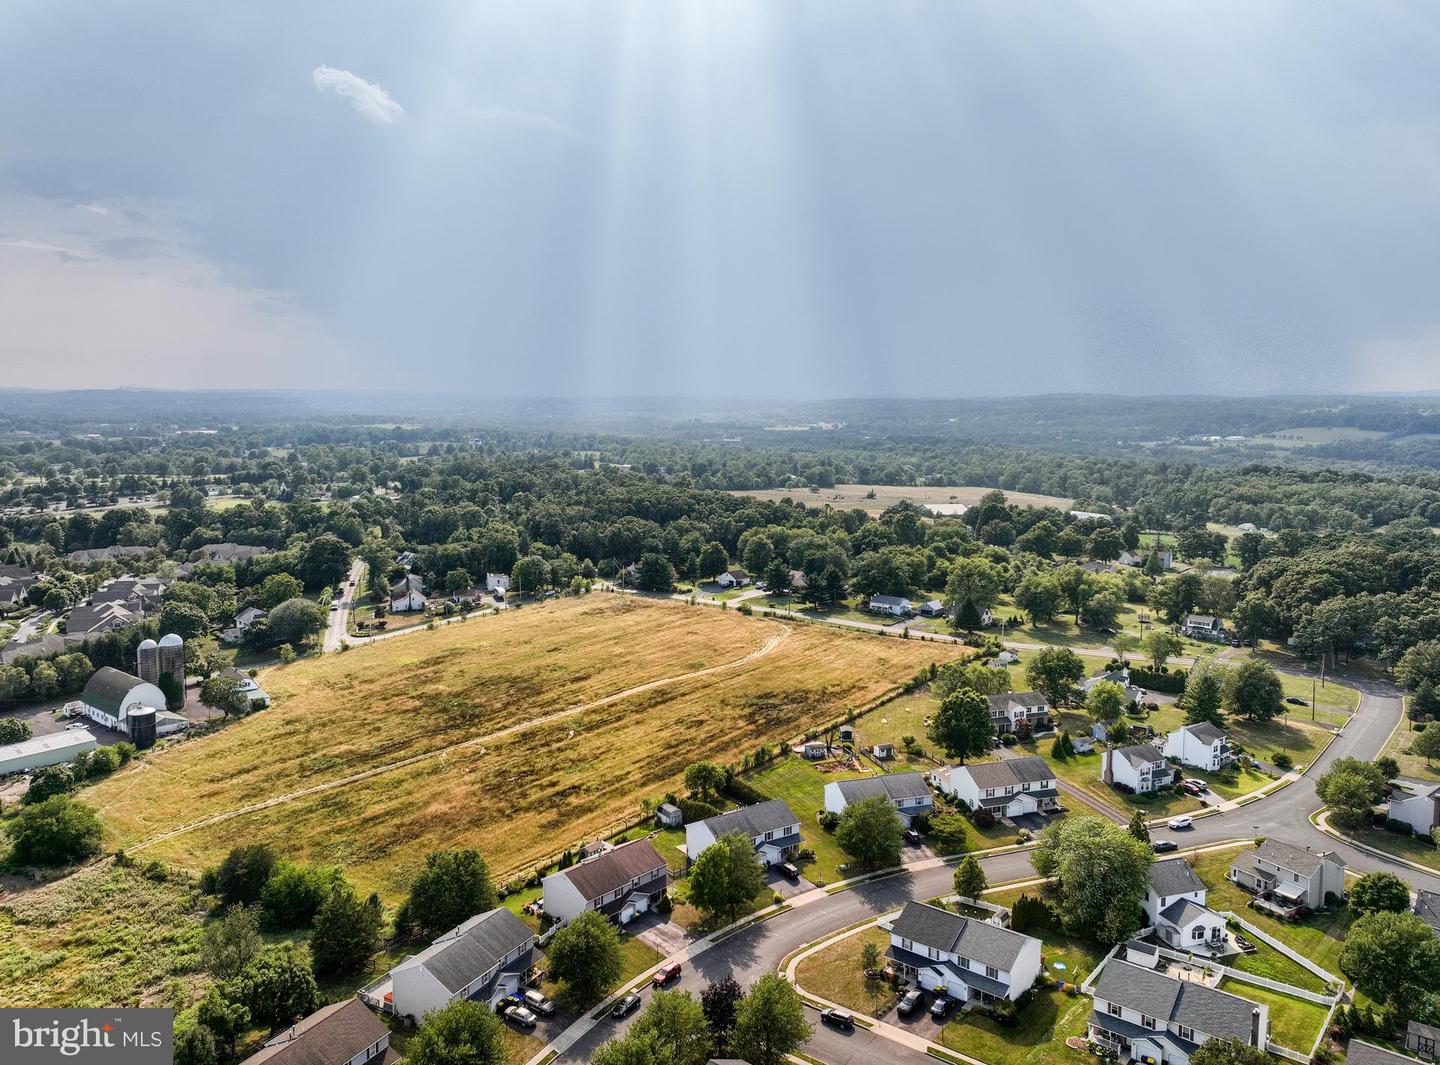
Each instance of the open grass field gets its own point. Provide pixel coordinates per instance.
(874, 498)
(520, 734)
(1411, 765)
(1309, 435)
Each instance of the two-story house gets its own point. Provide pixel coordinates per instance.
(1287, 877)
(622, 883)
(1145, 1015)
(1176, 907)
(1200, 746)
(1141, 768)
(487, 958)
(1420, 809)
(771, 826)
(343, 1033)
(1203, 627)
(908, 792)
(969, 960)
(407, 595)
(1008, 788)
(1008, 710)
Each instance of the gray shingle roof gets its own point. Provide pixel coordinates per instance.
(1009, 772)
(1208, 1011)
(1288, 856)
(985, 943)
(614, 869)
(893, 786)
(1363, 1053)
(770, 816)
(1427, 908)
(330, 1036)
(477, 948)
(1204, 731)
(1174, 876)
(1182, 911)
(1009, 699)
(1141, 754)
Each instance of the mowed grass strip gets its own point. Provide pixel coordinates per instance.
(395, 699)
(526, 797)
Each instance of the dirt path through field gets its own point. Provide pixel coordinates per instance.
(774, 641)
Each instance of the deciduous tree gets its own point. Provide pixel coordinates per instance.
(961, 726)
(465, 1032)
(453, 886)
(871, 833)
(726, 876)
(770, 1022)
(1102, 873)
(585, 955)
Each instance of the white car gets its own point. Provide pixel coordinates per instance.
(76, 725)
(1183, 821)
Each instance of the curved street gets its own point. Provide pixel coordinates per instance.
(761, 948)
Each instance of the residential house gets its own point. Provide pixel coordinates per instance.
(1141, 768)
(39, 647)
(405, 559)
(1427, 908)
(893, 605)
(797, 580)
(231, 553)
(117, 604)
(932, 608)
(242, 623)
(621, 883)
(1201, 746)
(1115, 676)
(109, 554)
(1359, 1052)
(1145, 1015)
(1003, 659)
(1010, 787)
(248, 686)
(1202, 627)
(1008, 711)
(1422, 1039)
(733, 578)
(908, 792)
(1420, 809)
(497, 582)
(344, 1033)
(1287, 877)
(15, 584)
(407, 595)
(111, 696)
(771, 826)
(968, 960)
(1137, 558)
(1096, 566)
(1175, 906)
(487, 958)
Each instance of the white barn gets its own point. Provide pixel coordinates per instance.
(111, 695)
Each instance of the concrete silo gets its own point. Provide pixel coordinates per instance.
(172, 661)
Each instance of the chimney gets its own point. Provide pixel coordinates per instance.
(1255, 1029)
(1107, 774)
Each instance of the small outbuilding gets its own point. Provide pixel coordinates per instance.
(41, 751)
(668, 815)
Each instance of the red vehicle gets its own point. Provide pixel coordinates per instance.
(667, 972)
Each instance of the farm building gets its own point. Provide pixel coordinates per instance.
(44, 750)
(111, 696)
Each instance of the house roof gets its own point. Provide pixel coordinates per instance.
(738, 573)
(1288, 856)
(472, 949)
(1182, 912)
(1208, 1011)
(614, 869)
(329, 1036)
(1204, 731)
(985, 943)
(888, 600)
(407, 584)
(107, 689)
(1008, 772)
(1362, 1053)
(228, 552)
(1009, 699)
(1427, 908)
(1174, 876)
(769, 816)
(95, 617)
(1141, 754)
(892, 786)
(1205, 620)
(49, 644)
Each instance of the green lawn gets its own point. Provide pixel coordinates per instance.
(1302, 741)
(637, 957)
(893, 721)
(1268, 962)
(1411, 847)
(802, 785)
(1294, 1022)
(1410, 765)
(835, 972)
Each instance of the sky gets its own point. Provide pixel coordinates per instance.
(774, 198)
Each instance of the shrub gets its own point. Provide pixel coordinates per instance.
(695, 810)
(829, 820)
(58, 831)
(1283, 761)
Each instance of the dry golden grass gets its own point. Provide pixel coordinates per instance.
(519, 797)
(846, 496)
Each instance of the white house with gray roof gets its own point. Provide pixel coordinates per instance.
(1176, 907)
(487, 958)
(771, 826)
(1420, 809)
(1141, 768)
(1145, 1015)
(1201, 746)
(621, 882)
(969, 960)
(1289, 877)
(1010, 709)
(1011, 787)
(908, 792)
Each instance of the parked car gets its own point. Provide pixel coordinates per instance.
(1160, 846)
(912, 837)
(940, 1008)
(1295, 700)
(537, 1002)
(912, 1001)
(520, 1017)
(1188, 787)
(77, 725)
(626, 1006)
(1199, 784)
(836, 1018)
(667, 972)
(790, 871)
(1183, 821)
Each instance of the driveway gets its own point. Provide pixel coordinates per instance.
(661, 933)
(785, 887)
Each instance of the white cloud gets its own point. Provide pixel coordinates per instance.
(368, 99)
(95, 208)
(517, 118)
(45, 246)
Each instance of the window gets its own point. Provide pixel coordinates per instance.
(1147, 1022)
(905, 944)
(934, 954)
(992, 972)
(1113, 1008)
(769, 835)
(1197, 933)
(1187, 1034)
(989, 793)
(964, 963)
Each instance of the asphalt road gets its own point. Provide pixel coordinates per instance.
(345, 597)
(759, 949)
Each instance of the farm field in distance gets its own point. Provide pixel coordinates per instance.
(526, 783)
(845, 496)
